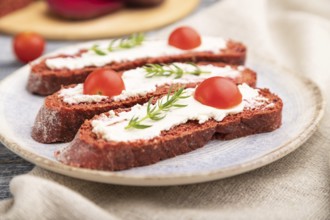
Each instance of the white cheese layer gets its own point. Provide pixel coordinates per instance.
(112, 128)
(136, 84)
(147, 49)
(75, 95)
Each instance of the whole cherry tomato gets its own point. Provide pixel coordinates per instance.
(28, 46)
(218, 92)
(104, 82)
(185, 38)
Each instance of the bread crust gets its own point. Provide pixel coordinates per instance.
(88, 151)
(58, 121)
(45, 81)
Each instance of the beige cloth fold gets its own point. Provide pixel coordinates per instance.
(295, 33)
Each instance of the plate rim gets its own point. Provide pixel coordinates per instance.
(111, 177)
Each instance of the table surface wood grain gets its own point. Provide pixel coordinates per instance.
(12, 165)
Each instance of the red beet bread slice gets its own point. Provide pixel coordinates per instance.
(58, 121)
(45, 81)
(88, 151)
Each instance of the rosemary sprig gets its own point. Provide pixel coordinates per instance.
(170, 69)
(96, 49)
(124, 43)
(158, 111)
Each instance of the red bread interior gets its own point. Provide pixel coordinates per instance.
(88, 151)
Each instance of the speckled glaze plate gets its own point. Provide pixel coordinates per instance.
(303, 109)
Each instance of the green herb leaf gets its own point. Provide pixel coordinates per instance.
(124, 43)
(96, 49)
(166, 70)
(158, 111)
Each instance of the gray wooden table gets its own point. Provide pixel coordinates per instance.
(10, 164)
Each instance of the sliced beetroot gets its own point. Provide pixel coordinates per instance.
(143, 3)
(83, 9)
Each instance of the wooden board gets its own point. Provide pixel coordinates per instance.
(37, 18)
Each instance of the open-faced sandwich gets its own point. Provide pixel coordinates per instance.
(49, 74)
(175, 124)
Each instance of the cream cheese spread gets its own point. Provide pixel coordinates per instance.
(151, 48)
(112, 128)
(136, 84)
(75, 95)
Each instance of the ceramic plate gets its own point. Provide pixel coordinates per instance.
(303, 109)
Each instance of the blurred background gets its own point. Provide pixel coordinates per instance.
(292, 34)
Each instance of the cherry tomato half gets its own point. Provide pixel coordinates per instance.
(218, 92)
(104, 82)
(28, 46)
(185, 38)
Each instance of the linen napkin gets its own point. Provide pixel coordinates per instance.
(293, 32)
